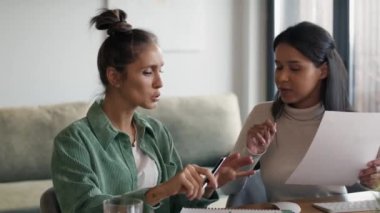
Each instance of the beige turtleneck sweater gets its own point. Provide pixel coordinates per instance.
(295, 131)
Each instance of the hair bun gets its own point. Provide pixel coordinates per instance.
(114, 21)
(119, 27)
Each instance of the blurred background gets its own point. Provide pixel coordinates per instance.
(48, 50)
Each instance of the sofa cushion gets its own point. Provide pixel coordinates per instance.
(27, 135)
(204, 128)
(22, 196)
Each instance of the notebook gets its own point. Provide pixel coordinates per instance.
(345, 206)
(221, 210)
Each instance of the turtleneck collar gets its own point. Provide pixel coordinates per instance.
(306, 114)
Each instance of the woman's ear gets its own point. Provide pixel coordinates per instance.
(113, 77)
(324, 71)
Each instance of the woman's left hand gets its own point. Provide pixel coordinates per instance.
(230, 169)
(370, 176)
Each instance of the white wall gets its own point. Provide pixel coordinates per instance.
(250, 53)
(48, 52)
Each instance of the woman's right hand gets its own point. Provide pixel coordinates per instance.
(260, 136)
(189, 182)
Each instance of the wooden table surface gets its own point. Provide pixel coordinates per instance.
(306, 204)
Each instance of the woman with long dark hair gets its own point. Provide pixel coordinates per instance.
(311, 78)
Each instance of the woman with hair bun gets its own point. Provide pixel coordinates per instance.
(115, 151)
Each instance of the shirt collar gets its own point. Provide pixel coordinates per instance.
(103, 129)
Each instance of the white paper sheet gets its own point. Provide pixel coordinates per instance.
(344, 143)
(217, 210)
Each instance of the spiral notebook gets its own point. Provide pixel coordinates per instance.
(220, 210)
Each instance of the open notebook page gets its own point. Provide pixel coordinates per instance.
(217, 210)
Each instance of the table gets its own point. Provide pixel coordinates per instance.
(306, 204)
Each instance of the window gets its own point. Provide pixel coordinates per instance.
(365, 54)
(290, 12)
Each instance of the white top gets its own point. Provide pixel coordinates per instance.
(295, 131)
(147, 172)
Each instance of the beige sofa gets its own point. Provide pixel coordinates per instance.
(203, 128)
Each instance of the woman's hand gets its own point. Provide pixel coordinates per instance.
(230, 169)
(370, 176)
(189, 182)
(260, 136)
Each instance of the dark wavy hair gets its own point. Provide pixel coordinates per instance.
(123, 44)
(317, 45)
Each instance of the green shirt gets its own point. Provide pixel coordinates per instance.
(93, 161)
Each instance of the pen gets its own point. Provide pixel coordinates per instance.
(214, 170)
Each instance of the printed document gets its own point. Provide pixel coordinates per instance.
(344, 143)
